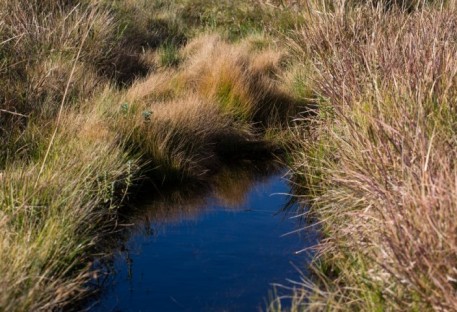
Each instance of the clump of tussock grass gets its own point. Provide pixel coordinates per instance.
(40, 41)
(221, 96)
(53, 40)
(63, 173)
(183, 135)
(379, 163)
(242, 79)
(33, 73)
(50, 222)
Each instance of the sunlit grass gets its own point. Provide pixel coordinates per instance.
(378, 162)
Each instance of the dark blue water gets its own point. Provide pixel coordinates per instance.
(221, 252)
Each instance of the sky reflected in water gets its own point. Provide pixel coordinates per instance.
(216, 252)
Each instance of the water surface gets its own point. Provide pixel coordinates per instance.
(217, 250)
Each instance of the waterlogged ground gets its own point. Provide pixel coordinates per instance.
(219, 249)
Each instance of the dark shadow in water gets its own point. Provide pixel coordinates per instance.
(213, 247)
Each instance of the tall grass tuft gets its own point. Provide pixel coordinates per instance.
(222, 96)
(379, 162)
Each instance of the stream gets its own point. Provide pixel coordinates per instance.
(218, 249)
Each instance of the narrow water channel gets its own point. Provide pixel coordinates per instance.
(220, 250)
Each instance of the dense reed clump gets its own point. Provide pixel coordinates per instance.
(379, 162)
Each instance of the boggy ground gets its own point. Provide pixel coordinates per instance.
(97, 95)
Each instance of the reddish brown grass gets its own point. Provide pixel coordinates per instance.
(381, 164)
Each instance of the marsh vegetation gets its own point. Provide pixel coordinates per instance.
(98, 97)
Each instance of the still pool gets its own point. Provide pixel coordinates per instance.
(220, 251)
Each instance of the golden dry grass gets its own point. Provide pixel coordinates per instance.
(221, 96)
